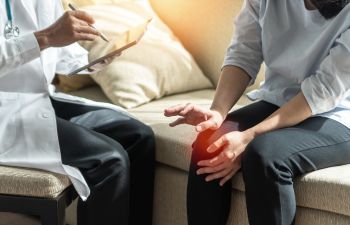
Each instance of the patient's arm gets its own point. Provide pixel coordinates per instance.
(293, 112)
(232, 84)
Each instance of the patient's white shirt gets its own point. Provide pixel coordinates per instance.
(302, 51)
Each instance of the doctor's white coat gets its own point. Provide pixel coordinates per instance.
(28, 132)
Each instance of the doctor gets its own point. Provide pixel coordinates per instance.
(97, 145)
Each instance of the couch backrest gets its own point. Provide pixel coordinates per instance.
(205, 27)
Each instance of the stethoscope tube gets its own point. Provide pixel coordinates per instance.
(10, 29)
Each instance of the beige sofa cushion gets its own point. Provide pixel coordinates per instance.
(31, 182)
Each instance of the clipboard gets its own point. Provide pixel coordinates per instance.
(128, 44)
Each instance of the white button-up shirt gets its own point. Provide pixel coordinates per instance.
(302, 51)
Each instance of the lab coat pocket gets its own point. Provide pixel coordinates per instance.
(9, 113)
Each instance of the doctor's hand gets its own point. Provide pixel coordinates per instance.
(73, 26)
(202, 119)
(99, 66)
(228, 162)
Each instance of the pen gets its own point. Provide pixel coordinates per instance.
(101, 34)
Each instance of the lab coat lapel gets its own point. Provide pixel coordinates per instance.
(28, 5)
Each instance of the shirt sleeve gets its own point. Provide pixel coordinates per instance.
(70, 58)
(245, 50)
(17, 51)
(331, 83)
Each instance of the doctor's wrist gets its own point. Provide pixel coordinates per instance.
(42, 39)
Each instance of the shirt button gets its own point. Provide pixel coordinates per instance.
(45, 115)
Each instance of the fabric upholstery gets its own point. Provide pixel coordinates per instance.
(155, 67)
(205, 28)
(30, 182)
(170, 203)
(73, 83)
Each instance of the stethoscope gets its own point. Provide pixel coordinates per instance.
(10, 29)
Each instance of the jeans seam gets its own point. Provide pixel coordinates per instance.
(308, 149)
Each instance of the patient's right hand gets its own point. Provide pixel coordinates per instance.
(194, 115)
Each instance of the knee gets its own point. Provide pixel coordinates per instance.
(200, 146)
(143, 134)
(262, 158)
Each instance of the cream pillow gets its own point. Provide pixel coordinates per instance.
(157, 66)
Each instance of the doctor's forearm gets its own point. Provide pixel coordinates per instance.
(290, 114)
(232, 84)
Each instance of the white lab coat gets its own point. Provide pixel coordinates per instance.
(28, 132)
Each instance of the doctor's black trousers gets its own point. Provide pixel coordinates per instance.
(115, 154)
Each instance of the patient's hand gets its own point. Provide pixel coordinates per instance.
(194, 115)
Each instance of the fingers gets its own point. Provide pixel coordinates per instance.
(87, 30)
(228, 176)
(80, 28)
(82, 16)
(189, 107)
(214, 169)
(84, 37)
(178, 122)
(218, 175)
(226, 173)
(209, 124)
(221, 142)
(212, 162)
(173, 111)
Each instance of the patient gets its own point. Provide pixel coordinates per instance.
(300, 123)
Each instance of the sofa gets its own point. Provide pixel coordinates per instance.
(205, 28)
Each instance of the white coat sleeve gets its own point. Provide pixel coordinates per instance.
(70, 57)
(245, 50)
(17, 51)
(331, 83)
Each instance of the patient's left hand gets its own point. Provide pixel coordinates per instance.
(228, 162)
(100, 66)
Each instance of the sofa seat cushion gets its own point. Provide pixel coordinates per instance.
(31, 182)
(152, 113)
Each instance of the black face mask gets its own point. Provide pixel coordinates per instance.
(330, 8)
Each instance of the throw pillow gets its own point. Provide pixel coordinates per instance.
(157, 66)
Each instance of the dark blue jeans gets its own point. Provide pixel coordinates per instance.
(269, 164)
